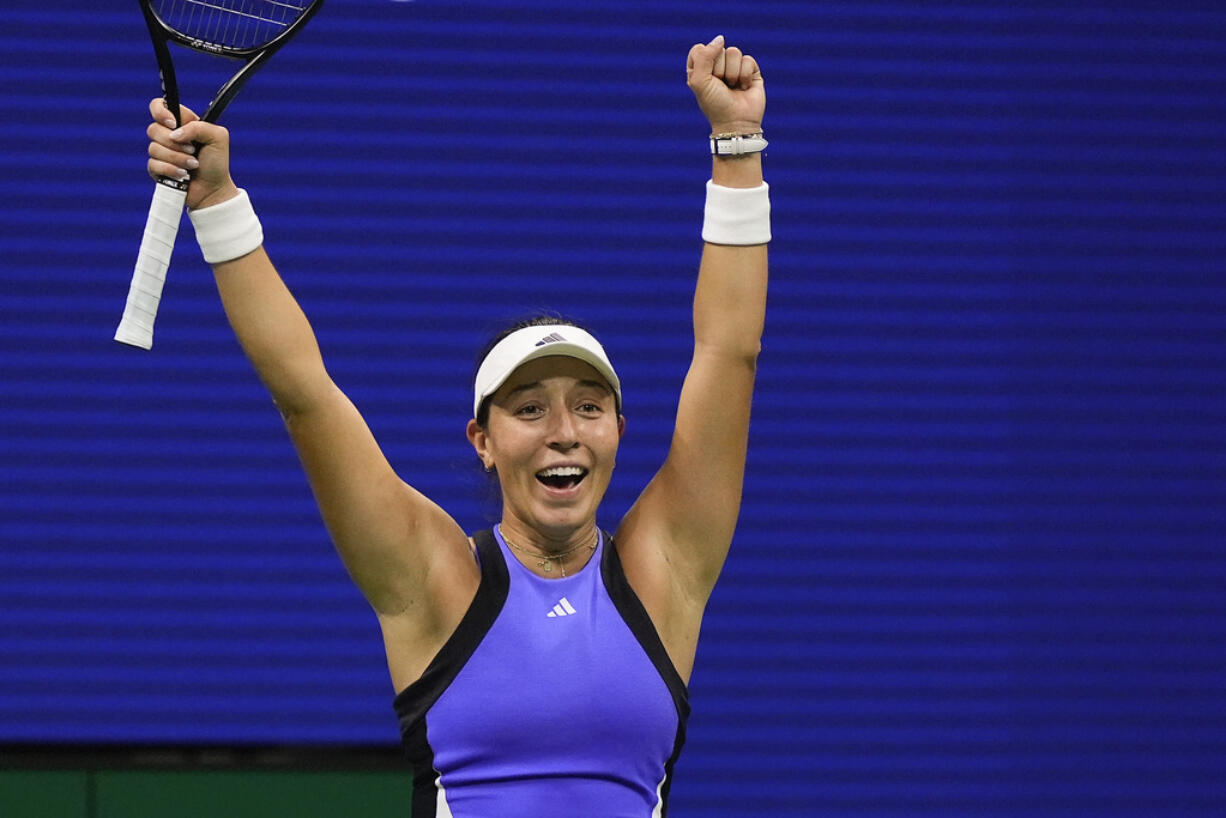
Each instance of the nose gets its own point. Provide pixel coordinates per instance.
(563, 435)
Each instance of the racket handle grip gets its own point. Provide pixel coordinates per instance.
(156, 246)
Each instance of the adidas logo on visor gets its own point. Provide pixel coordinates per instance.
(551, 338)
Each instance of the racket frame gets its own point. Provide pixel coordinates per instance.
(162, 34)
(161, 229)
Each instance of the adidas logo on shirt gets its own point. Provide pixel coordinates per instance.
(551, 338)
(563, 608)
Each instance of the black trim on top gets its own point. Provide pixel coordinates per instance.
(412, 703)
(627, 603)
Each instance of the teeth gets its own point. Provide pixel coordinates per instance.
(561, 471)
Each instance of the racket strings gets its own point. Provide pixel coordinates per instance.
(231, 24)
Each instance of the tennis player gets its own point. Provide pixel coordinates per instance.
(540, 667)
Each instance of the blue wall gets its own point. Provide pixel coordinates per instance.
(981, 564)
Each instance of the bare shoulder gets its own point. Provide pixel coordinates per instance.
(674, 604)
(447, 578)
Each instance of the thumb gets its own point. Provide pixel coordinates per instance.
(201, 133)
(701, 60)
(187, 115)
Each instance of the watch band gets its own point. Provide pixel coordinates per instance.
(736, 144)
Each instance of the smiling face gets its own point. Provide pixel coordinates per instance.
(552, 435)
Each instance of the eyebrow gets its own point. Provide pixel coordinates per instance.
(601, 385)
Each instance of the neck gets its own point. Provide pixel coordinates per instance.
(551, 557)
(547, 542)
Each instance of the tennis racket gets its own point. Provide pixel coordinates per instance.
(249, 31)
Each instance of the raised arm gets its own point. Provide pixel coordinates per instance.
(388, 535)
(680, 530)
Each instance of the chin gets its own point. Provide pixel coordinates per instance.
(564, 516)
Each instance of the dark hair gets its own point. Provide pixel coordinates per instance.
(540, 319)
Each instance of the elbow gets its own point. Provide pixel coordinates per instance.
(752, 353)
(746, 360)
(742, 355)
(733, 337)
(299, 399)
(291, 412)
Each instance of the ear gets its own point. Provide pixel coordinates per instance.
(480, 440)
(621, 426)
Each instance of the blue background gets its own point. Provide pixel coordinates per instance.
(980, 567)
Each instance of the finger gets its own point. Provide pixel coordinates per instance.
(159, 171)
(164, 162)
(160, 168)
(720, 58)
(750, 72)
(732, 66)
(701, 58)
(159, 111)
(170, 156)
(161, 135)
(198, 132)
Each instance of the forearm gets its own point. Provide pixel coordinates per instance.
(272, 330)
(737, 171)
(269, 325)
(730, 299)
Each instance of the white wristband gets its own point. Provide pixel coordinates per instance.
(228, 230)
(738, 216)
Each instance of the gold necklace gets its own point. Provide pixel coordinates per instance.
(545, 561)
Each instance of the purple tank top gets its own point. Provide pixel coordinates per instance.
(554, 698)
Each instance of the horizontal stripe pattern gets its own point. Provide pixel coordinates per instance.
(980, 564)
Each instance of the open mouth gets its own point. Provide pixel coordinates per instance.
(561, 477)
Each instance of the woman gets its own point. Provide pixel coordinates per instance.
(540, 668)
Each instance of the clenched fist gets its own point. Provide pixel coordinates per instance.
(728, 86)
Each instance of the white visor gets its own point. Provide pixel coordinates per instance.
(530, 343)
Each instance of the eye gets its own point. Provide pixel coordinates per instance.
(529, 410)
(590, 408)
